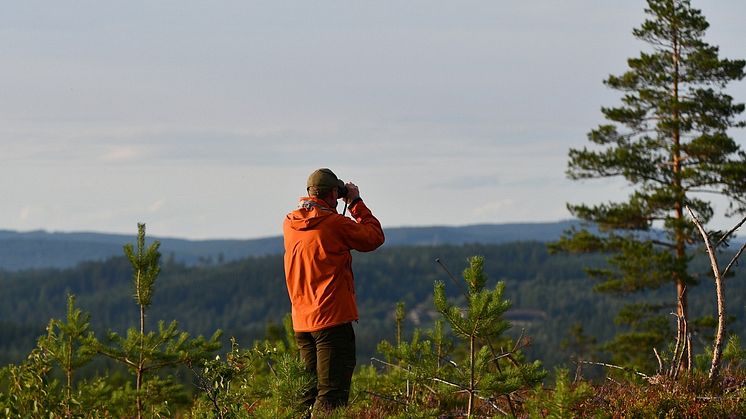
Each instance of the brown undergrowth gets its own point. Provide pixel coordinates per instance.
(692, 396)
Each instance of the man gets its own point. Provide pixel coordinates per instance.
(318, 274)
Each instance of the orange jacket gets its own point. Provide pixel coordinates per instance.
(318, 264)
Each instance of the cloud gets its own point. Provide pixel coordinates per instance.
(24, 213)
(467, 182)
(157, 205)
(120, 154)
(494, 208)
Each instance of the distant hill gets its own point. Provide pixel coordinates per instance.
(42, 249)
(478, 233)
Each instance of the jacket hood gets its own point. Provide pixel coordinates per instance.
(311, 211)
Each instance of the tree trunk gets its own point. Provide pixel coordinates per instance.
(69, 375)
(471, 376)
(680, 198)
(138, 397)
(141, 363)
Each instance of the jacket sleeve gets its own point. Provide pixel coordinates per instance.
(366, 234)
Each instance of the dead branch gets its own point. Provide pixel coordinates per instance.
(683, 345)
(735, 258)
(463, 389)
(689, 352)
(603, 364)
(388, 364)
(660, 362)
(717, 349)
(732, 230)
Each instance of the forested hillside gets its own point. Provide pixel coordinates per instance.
(41, 249)
(550, 293)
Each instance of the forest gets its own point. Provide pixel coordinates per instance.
(247, 298)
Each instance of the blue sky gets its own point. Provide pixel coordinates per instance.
(204, 118)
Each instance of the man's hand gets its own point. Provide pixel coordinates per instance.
(352, 192)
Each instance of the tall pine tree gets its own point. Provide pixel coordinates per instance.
(669, 140)
(148, 353)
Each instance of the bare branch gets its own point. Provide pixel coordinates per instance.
(660, 362)
(733, 230)
(680, 348)
(603, 364)
(388, 364)
(440, 380)
(717, 349)
(689, 351)
(732, 261)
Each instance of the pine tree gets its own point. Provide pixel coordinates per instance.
(33, 388)
(434, 365)
(669, 140)
(481, 324)
(416, 371)
(147, 352)
(66, 345)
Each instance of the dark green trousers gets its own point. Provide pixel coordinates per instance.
(330, 354)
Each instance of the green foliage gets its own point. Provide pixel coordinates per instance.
(32, 388)
(27, 392)
(648, 330)
(483, 318)
(734, 356)
(580, 345)
(289, 341)
(66, 346)
(418, 379)
(399, 317)
(415, 378)
(145, 265)
(563, 402)
(264, 381)
(290, 382)
(168, 347)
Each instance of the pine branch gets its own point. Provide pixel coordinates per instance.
(664, 244)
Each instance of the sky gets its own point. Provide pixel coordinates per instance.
(203, 119)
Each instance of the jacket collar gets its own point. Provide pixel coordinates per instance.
(310, 202)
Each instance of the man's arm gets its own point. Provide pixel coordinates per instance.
(366, 234)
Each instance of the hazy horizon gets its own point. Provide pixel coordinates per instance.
(278, 234)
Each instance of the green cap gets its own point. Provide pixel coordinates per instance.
(324, 180)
